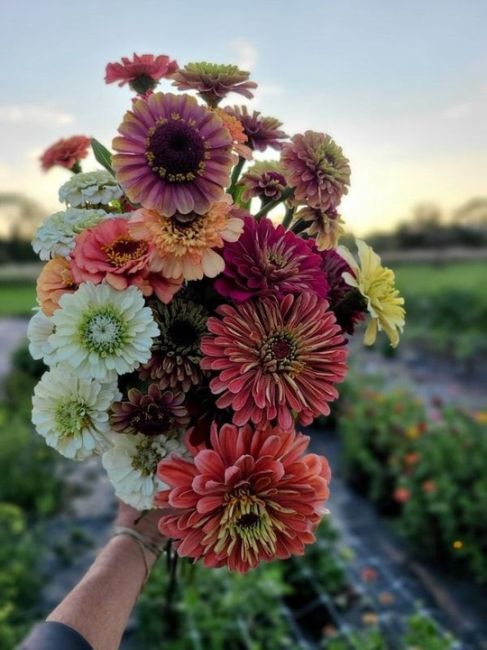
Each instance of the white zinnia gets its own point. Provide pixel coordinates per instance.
(100, 331)
(131, 465)
(39, 330)
(91, 188)
(72, 414)
(55, 237)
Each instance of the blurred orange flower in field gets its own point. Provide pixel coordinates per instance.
(429, 486)
(480, 417)
(412, 458)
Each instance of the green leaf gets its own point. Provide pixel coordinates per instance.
(103, 156)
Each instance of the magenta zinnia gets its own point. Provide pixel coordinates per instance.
(254, 497)
(316, 167)
(269, 260)
(275, 358)
(173, 155)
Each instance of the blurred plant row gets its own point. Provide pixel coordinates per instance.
(30, 490)
(425, 467)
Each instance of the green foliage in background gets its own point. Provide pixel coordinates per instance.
(429, 472)
(17, 298)
(446, 307)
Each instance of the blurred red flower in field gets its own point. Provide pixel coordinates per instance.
(66, 152)
(429, 486)
(255, 496)
(402, 495)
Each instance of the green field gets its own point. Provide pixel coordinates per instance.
(17, 298)
(428, 278)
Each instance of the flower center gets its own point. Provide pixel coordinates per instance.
(103, 331)
(175, 150)
(247, 519)
(183, 333)
(71, 417)
(277, 260)
(121, 251)
(279, 353)
(147, 456)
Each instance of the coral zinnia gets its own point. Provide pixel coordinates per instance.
(66, 153)
(176, 354)
(184, 244)
(54, 280)
(151, 413)
(108, 252)
(214, 81)
(269, 260)
(256, 496)
(376, 284)
(173, 155)
(261, 132)
(142, 72)
(316, 167)
(236, 130)
(275, 358)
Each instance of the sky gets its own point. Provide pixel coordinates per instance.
(401, 86)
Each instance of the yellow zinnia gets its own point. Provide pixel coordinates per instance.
(376, 284)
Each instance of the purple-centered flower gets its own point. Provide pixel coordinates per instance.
(173, 155)
(269, 260)
(316, 167)
(264, 181)
(261, 132)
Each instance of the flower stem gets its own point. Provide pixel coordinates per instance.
(299, 226)
(171, 585)
(288, 217)
(272, 204)
(236, 175)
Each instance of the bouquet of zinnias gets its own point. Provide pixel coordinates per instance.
(193, 313)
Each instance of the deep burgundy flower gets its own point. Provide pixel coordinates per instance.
(345, 301)
(269, 260)
(142, 72)
(151, 413)
(261, 132)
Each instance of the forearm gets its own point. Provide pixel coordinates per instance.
(100, 605)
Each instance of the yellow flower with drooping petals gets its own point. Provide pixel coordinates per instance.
(376, 284)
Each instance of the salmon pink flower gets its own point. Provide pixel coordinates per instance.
(173, 155)
(108, 252)
(269, 260)
(55, 279)
(254, 497)
(275, 358)
(402, 495)
(142, 73)
(66, 153)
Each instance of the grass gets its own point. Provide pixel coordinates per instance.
(17, 298)
(430, 279)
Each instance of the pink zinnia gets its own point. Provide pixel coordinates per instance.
(269, 260)
(108, 252)
(66, 153)
(275, 358)
(142, 72)
(254, 497)
(173, 155)
(317, 169)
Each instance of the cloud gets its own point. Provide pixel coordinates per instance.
(246, 53)
(33, 114)
(459, 111)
